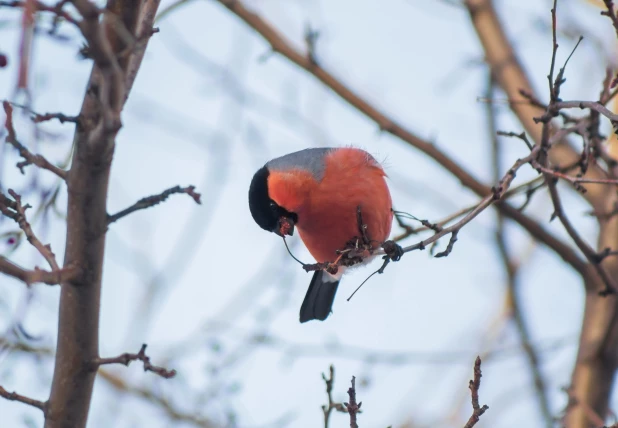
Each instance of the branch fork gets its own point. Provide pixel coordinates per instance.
(127, 358)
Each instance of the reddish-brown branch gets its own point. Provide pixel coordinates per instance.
(17, 212)
(13, 396)
(37, 275)
(126, 359)
(593, 257)
(29, 158)
(591, 416)
(475, 385)
(41, 7)
(150, 201)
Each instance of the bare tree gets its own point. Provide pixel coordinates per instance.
(117, 37)
(565, 153)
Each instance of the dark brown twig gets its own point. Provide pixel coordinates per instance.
(29, 158)
(38, 118)
(150, 201)
(611, 13)
(592, 105)
(332, 405)
(13, 396)
(352, 408)
(593, 257)
(541, 162)
(450, 245)
(477, 410)
(126, 359)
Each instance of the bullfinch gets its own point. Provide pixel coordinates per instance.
(322, 191)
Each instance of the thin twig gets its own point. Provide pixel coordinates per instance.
(593, 257)
(126, 359)
(352, 407)
(541, 162)
(511, 267)
(528, 187)
(592, 105)
(150, 201)
(474, 390)
(498, 192)
(332, 405)
(41, 7)
(576, 180)
(13, 396)
(29, 158)
(17, 212)
(611, 13)
(38, 117)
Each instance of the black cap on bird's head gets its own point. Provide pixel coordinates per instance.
(266, 213)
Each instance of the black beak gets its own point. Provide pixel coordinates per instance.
(285, 226)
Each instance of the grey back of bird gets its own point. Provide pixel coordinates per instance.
(311, 160)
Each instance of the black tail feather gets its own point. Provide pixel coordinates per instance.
(319, 298)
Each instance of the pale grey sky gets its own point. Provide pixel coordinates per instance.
(207, 111)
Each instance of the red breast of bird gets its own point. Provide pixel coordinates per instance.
(321, 190)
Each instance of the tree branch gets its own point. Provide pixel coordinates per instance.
(511, 77)
(474, 386)
(37, 275)
(29, 158)
(16, 211)
(13, 396)
(41, 7)
(126, 359)
(332, 405)
(352, 407)
(150, 201)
